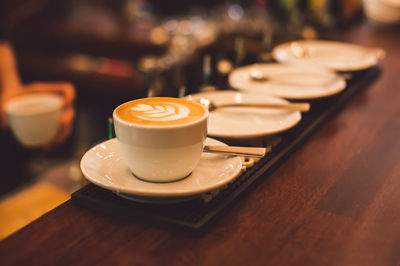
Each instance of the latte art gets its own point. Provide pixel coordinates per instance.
(160, 111)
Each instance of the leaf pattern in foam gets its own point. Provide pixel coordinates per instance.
(142, 107)
(170, 112)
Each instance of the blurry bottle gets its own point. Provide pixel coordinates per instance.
(347, 11)
(287, 17)
(320, 13)
(329, 13)
(206, 71)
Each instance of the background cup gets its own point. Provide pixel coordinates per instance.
(34, 119)
(161, 153)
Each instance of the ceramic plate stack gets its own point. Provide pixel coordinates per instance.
(382, 11)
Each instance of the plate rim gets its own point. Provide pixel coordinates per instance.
(283, 46)
(249, 135)
(120, 189)
(289, 65)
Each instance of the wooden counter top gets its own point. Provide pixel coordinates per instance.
(334, 201)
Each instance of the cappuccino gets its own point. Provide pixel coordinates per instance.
(160, 111)
(161, 139)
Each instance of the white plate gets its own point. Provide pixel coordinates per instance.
(335, 55)
(246, 122)
(395, 4)
(104, 166)
(381, 12)
(288, 81)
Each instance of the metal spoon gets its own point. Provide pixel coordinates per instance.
(299, 51)
(258, 75)
(302, 107)
(241, 151)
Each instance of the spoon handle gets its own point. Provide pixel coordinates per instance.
(235, 150)
(303, 107)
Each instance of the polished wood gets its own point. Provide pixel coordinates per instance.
(37, 198)
(334, 201)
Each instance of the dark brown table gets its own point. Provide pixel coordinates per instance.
(334, 201)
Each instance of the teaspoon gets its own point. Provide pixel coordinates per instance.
(257, 152)
(302, 107)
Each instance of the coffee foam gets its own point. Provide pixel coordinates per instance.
(160, 111)
(34, 103)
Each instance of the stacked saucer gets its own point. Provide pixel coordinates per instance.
(289, 81)
(337, 56)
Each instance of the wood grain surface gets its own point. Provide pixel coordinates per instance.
(334, 201)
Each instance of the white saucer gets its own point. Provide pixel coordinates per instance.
(394, 4)
(246, 122)
(338, 56)
(104, 166)
(288, 81)
(382, 11)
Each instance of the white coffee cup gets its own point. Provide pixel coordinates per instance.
(35, 118)
(166, 142)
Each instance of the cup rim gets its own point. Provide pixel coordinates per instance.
(10, 106)
(183, 125)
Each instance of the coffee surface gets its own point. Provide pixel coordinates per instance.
(160, 111)
(34, 103)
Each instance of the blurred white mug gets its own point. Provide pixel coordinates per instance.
(35, 118)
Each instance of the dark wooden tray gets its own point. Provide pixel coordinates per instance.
(196, 215)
